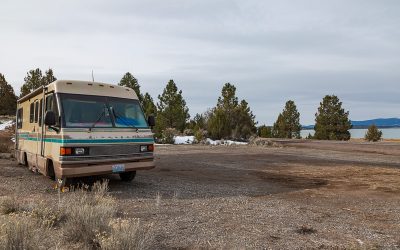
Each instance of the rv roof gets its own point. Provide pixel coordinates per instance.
(85, 88)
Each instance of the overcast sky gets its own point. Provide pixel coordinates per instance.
(272, 51)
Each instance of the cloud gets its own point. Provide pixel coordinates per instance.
(271, 50)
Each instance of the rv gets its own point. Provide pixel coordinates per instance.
(77, 128)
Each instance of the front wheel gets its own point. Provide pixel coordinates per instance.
(127, 176)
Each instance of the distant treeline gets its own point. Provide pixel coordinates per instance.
(230, 118)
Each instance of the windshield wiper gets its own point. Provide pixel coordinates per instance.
(122, 119)
(98, 119)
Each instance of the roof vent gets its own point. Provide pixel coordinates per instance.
(69, 82)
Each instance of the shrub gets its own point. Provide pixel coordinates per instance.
(188, 132)
(88, 215)
(9, 205)
(373, 134)
(200, 135)
(125, 234)
(168, 135)
(5, 144)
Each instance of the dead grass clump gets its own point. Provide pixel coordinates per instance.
(126, 234)
(86, 219)
(87, 214)
(9, 205)
(22, 231)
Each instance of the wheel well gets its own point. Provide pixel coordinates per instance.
(25, 159)
(50, 169)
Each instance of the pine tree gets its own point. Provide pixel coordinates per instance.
(128, 80)
(288, 122)
(172, 111)
(229, 119)
(221, 123)
(373, 133)
(49, 77)
(34, 79)
(8, 99)
(264, 131)
(244, 120)
(279, 127)
(148, 105)
(332, 121)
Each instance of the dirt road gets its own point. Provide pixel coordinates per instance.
(302, 194)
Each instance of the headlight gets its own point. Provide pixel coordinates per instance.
(143, 148)
(79, 151)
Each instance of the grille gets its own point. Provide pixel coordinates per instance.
(122, 149)
(106, 157)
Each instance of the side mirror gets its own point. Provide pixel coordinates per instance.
(50, 118)
(151, 120)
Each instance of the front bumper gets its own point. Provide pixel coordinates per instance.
(78, 169)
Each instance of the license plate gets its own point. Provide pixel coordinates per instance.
(118, 168)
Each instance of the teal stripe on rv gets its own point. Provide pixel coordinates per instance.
(89, 141)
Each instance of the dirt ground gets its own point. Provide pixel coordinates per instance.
(295, 194)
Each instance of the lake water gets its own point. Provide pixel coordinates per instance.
(387, 133)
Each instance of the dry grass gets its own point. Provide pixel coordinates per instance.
(5, 144)
(84, 220)
(9, 205)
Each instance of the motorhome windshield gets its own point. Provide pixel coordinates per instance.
(85, 111)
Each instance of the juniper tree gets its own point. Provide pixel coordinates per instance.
(128, 80)
(373, 133)
(172, 111)
(8, 100)
(332, 121)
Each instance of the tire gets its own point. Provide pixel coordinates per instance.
(127, 176)
(25, 161)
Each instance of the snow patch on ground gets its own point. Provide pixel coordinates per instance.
(191, 140)
(184, 139)
(224, 142)
(5, 124)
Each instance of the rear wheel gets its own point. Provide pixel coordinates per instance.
(127, 176)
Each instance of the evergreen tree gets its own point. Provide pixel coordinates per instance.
(229, 119)
(148, 105)
(128, 80)
(288, 122)
(221, 123)
(244, 120)
(264, 131)
(279, 127)
(198, 122)
(49, 77)
(172, 111)
(332, 121)
(8, 100)
(34, 79)
(373, 134)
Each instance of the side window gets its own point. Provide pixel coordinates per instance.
(32, 113)
(40, 111)
(20, 114)
(36, 111)
(49, 102)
